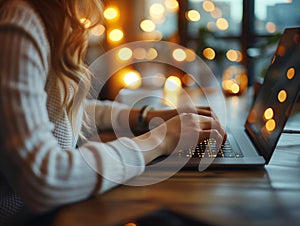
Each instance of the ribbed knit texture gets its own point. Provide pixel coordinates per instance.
(37, 146)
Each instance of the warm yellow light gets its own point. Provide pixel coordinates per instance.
(111, 13)
(232, 55)
(193, 15)
(132, 80)
(173, 83)
(216, 13)
(172, 5)
(151, 54)
(268, 114)
(156, 10)
(86, 22)
(234, 80)
(271, 27)
(190, 55)
(222, 24)
(282, 95)
(270, 125)
(208, 6)
(226, 84)
(139, 53)
(235, 88)
(147, 25)
(290, 73)
(125, 54)
(179, 55)
(116, 35)
(209, 53)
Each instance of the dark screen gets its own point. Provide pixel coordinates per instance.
(277, 95)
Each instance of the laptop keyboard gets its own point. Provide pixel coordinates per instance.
(209, 149)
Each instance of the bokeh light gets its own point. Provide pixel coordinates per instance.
(98, 30)
(86, 22)
(268, 114)
(271, 27)
(173, 83)
(132, 80)
(193, 15)
(222, 24)
(271, 125)
(208, 6)
(172, 5)
(151, 54)
(156, 10)
(179, 55)
(139, 53)
(290, 73)
(209, 53)
(282, 96)
(147, 25)
(116, 35)
(125, 54)
(216, 13)
(111, 13)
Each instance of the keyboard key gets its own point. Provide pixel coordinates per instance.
(209, 149)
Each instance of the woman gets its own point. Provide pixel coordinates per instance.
(43, 45)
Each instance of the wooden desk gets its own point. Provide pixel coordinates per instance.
(267, 196)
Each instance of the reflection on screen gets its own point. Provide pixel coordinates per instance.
(274, 102)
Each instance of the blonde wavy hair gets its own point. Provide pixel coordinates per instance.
(68, 37)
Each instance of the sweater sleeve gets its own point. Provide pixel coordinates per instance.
(105, 113)
(45, 175)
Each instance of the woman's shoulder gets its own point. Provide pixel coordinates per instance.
(19, 14)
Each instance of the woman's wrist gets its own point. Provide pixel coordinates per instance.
(152, 144)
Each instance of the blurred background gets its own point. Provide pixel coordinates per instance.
(235, 38)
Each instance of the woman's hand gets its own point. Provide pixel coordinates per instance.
(165, 115)
(157, 117)
(180, 132)
(188, 129)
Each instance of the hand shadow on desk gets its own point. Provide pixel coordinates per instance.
(164, 217)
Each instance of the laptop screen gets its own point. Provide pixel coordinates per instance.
(280, 89)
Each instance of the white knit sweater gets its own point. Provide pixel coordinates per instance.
(37, 147)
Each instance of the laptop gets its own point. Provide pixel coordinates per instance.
(254, 143)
